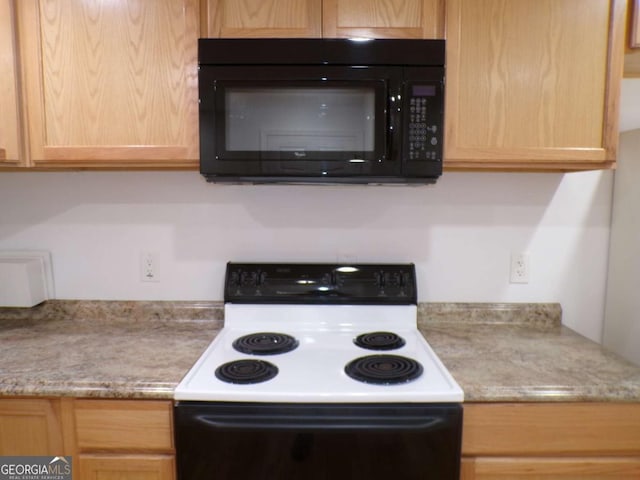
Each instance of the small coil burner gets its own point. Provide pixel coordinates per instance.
(384, 369)
(246, 371)
(379, 341)
(265, 343)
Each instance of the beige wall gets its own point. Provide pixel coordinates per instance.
(622, 319)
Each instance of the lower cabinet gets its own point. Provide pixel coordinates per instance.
(30, 427)
(107, 439)
(129, 467)
(535, 441)
(133, 439)
(550, 469)
(124, 440)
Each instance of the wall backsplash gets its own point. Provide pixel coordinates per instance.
(460, 233)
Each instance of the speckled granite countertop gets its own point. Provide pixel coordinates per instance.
(522, 353)
(496, 352)
(103, 349)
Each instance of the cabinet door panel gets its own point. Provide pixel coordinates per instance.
(264, 18)
(551, 469)
(533, 82)
(547, 429)
(124, 425)
(30, 427)
(635, 24)
(129, 467)
(383, 18)
(9, 147)
(111, 83)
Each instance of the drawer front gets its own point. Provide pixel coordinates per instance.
(124, 425)
(521, 429)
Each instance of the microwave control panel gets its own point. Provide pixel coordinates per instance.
(423, 137)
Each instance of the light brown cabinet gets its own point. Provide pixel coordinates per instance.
(110, 84)
(123, 425)
(383, 18)
(130, 467)
(118, 439)
(635, 24)
(107, 439)
(115, 439)
(9, 118)
(30, 427)
(533, 85)
(325, 18)
(551, 441)
(262, 18)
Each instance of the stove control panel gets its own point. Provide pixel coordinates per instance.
(315, 283)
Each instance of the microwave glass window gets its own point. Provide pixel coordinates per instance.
(300, 119)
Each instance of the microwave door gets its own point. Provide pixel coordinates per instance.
(310, 128)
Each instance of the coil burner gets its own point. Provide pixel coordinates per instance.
(246, 371)
(384, 369)
(379, 341)
(265, 343)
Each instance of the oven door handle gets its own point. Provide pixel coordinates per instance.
(313, 423)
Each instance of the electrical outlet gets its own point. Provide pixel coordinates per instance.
(519, 268)
(149, 267)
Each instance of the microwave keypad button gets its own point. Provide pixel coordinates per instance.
(422, 142)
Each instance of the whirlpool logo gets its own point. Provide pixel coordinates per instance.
(35, 468)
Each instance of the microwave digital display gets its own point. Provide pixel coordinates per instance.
(423, 91)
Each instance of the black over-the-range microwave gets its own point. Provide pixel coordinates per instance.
(321, 110)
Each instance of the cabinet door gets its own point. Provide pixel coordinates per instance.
(110, 84)
(124, 425)
(30, 427)
(9, 146)
(550, 469)
(129, 467)
(635, 24)
(383, 18)
(263, 18)
(533, 84)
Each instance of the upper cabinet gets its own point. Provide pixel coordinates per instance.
(634, 33)
(383, 18)
(263, 18)
(110, 84)
(632, 57)
(533, 84)
(325, 18)
(9, 118)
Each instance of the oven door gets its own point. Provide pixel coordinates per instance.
(248, 441)
(313, 122)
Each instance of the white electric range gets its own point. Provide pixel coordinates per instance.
(320, 351)
(319, 372)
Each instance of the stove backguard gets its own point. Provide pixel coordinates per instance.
(333, 284)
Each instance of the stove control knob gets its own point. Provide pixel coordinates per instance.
(395, 279)
(248, 279)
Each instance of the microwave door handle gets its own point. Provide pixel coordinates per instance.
(394, 131)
